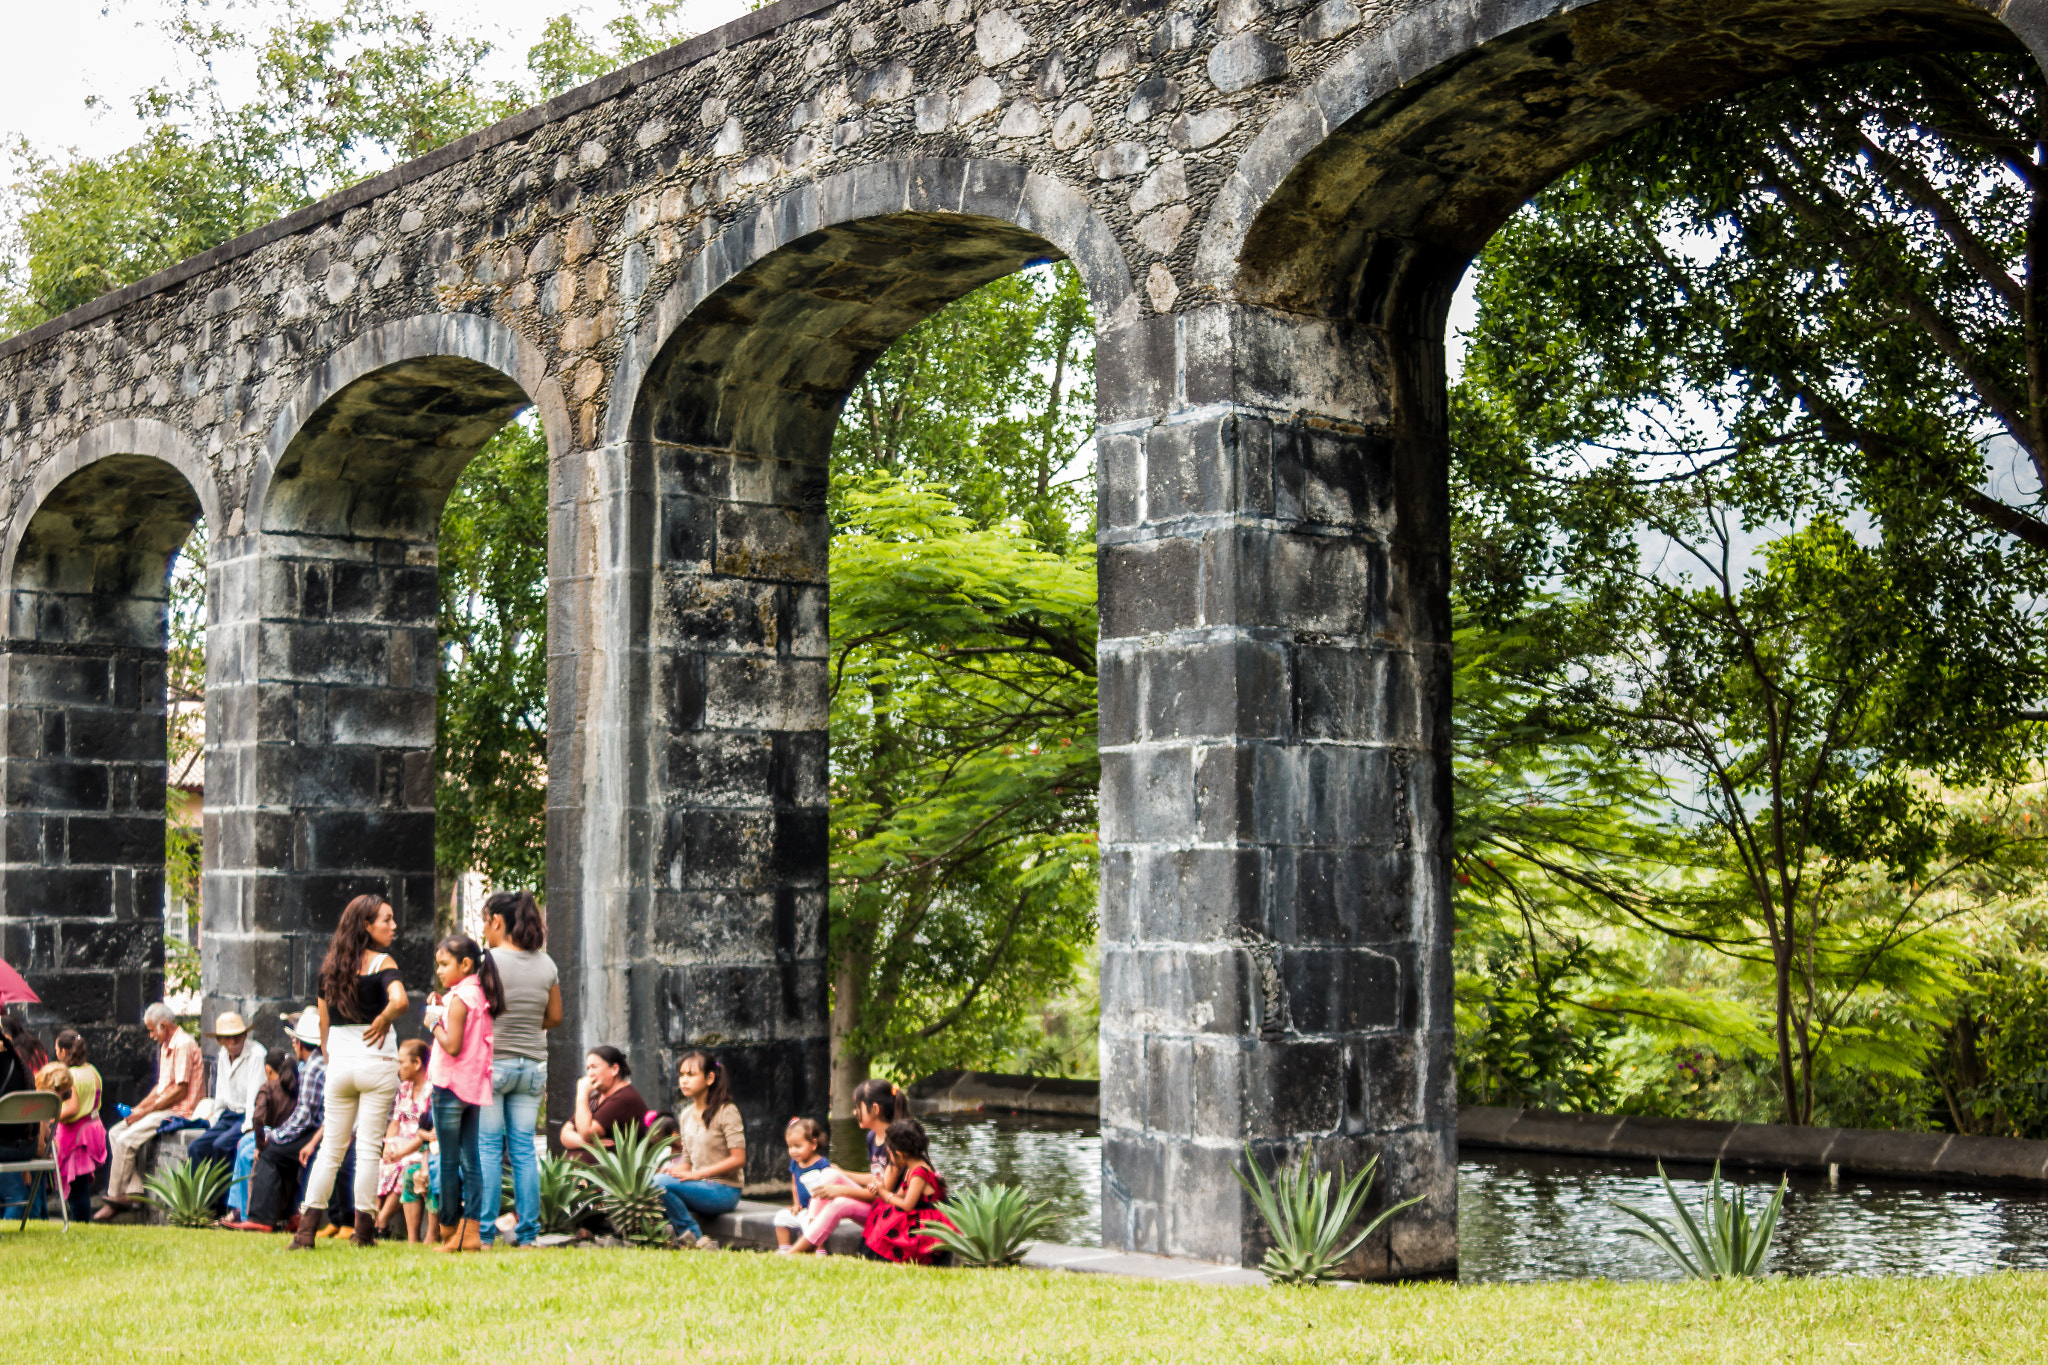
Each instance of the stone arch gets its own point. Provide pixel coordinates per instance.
(991, 218)
(707, 843)
(1323, 274)
(86, 567)
(427, 382)
(325, 694)
(1379, 182)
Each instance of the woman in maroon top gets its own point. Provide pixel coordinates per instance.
(605, 1099)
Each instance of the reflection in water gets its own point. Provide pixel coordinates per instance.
(1055, 1159)
(1548, 1218)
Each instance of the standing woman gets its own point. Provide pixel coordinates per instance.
(705, 1179)
(514, 933)
(360, 997)
(460, 1069)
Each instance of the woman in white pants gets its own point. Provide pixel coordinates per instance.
(360, 997)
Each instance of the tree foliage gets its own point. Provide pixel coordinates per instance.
(1725, 445)
(963, 707)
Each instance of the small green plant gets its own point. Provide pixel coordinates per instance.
(564, 1194)
(626, 1193)
(188, 1191)
(990, 1225)
(1308, 1216)
(1731, 1247)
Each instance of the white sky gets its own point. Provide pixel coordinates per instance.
(67, 50)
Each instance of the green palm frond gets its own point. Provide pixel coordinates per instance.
(1725, 1243)
(626, 1193)
(188, 1191)
(990, 1225)
(1308, 1216)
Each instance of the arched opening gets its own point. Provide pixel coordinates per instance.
(82, 897)
(323, 768)
(731, 438)
(1358, 220)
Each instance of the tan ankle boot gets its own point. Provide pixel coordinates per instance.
(453, 1240)
(472, 1235)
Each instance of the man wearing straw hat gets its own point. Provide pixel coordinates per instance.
(237, 1076)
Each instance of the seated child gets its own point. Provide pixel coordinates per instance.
(405, 1137)
(895, 1225)
(803, 1137)
(420, 1188)
(848, 1197)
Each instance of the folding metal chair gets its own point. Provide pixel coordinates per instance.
(34, 1106)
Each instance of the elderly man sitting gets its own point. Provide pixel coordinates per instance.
(180, 1083)
(237, 1076)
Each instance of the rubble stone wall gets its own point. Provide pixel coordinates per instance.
(681, 269)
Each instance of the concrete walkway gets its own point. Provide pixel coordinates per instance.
(752, 1226)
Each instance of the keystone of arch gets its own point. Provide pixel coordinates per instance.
(466, 336)
(128, 436)
(964, 187)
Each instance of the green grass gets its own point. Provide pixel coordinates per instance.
(131, 1294)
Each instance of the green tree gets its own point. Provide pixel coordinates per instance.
(1799, 590)
(490, 804)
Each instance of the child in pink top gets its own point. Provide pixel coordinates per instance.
(460, 1070)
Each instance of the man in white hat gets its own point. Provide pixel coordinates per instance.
(274, 1183)
(237, 1076)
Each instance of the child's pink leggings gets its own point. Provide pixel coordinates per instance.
(832, 1215)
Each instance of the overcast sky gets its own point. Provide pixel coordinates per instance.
(65, 51)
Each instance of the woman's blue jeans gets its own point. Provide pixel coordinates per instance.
(462, 1186)
(685, 1199)
(518, 1085)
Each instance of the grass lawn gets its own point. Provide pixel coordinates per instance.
(126, 1294)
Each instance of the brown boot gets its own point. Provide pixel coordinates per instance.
(472, 1235)
(453, 1242)
(309, 1230)
(366, 1230)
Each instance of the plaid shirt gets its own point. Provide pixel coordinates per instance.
(306, 1115)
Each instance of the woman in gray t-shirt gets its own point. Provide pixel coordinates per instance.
(514, 932)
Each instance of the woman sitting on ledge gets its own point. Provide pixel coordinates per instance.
(705, 1179)
(605, 1100)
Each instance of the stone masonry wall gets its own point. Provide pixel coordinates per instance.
(682, 269)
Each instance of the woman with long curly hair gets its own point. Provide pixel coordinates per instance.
(360, 998)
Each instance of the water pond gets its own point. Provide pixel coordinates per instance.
(1549, 1218)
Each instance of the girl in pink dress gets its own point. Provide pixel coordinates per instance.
(898, 1225)
(403, 1142)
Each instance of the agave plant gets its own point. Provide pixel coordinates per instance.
(1308, 1216)
(188, 1191)
(626, 1193)
(564, 1194)
(990, 1225)
(1730, 1247)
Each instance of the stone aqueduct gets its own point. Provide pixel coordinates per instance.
(683, 268)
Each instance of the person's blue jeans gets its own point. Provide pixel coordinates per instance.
(462, 1186)
(218, 1143)
(686, 1199)
(238, 1184)
(518, 1084)
(14, 1188)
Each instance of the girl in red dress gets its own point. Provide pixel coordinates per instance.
(910, 1202)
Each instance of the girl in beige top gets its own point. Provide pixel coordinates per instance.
(705, 1178)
